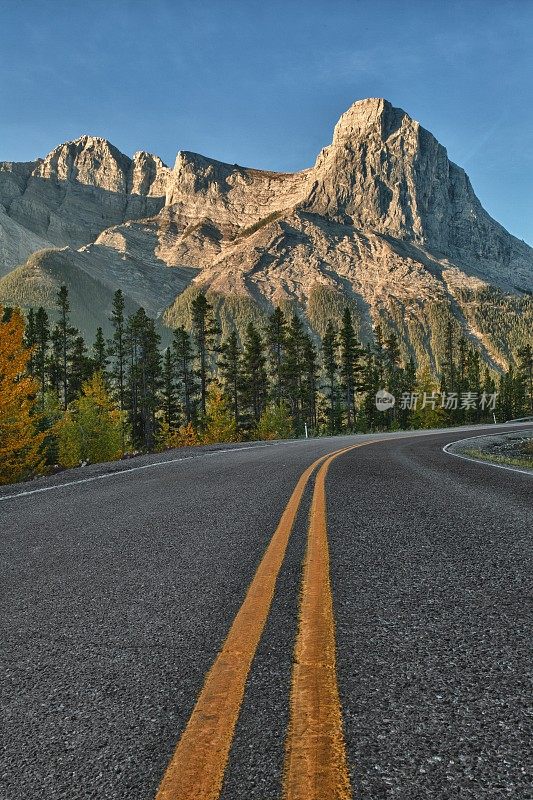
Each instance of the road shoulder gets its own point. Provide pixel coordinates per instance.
(511, 450)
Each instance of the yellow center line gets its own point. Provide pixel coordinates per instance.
(196, 770)
(316, 765)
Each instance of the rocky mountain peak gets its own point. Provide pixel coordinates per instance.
(89, 160)
(374, 112)
(94, 161)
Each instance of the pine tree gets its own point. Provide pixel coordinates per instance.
(184, 369)
(20, 443)
(30, 341)
(510, 395)
(525, 371)
(380, 357)
(309, 384)
(294, 369)
(350, 353)
(53, 365)
(42, 341)
(205, 332)
(65, 335)
(407, 387)
(118, 350)
(100, 353)
(170, 405)
(230, 370)
(276, 336)
(448, 367)
(81, 367)
(428, 415)
(144, 376)
(329, 359)
(370, 383)
(254, 376)
(473, 382)
(392, 375)
(460, 375)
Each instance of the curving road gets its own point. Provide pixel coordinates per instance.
(119, 589)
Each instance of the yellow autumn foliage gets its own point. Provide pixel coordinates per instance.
(20, 442)
(91, 427)
(167, 437)
(219, 423)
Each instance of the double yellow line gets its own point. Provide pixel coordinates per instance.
(315, 765)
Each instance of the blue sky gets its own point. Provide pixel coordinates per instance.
(262, 84)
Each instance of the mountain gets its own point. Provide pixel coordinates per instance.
(383, 221)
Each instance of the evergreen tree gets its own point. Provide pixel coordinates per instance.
(294, 369)
(350, 353)
(370, 383)
(118, 350)
(53, 365)
(144, 376)
(30, 341)
(81, 369)
(276, 336)
(448, 367)
(310, 382)
(525, 371)
(64, 337)
(205, 332)
(254, 376)
(42, 341)
(100, 353)
(230, 370)
(184, 369)
(380, 358)
(392, 375)
(330, 364)
(473, 382)
(407, 388)
(170, 405)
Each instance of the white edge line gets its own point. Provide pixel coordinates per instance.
(482, 460)
(104, 475)
(113, 474)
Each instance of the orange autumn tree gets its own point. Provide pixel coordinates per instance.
(20, 443)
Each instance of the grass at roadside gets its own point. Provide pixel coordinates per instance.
(524, 460)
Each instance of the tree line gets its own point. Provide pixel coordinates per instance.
(63, 402)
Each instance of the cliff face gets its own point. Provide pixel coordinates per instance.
(383, 218)
(382, 174)
(71, 196)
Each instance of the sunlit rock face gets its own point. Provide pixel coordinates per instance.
(73, 194)
(383, 218)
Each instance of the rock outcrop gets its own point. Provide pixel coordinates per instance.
(73, 194)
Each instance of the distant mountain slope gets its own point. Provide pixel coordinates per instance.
(37, 282)
(383, 220)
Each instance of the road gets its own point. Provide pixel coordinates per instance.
(119, 590)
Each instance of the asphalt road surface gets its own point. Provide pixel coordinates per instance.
(118, 593)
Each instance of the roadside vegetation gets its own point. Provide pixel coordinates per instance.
(63, 404)
(513, 453)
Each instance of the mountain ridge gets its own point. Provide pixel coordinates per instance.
(383, 218)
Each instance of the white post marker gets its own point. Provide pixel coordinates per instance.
(305, 426)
